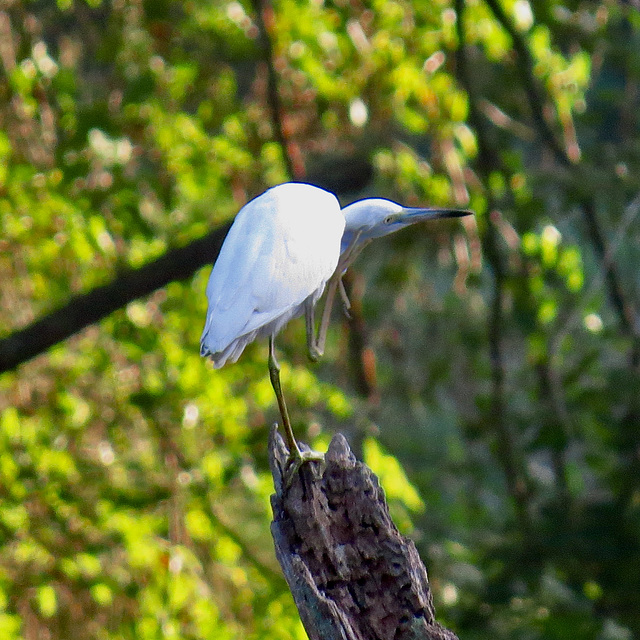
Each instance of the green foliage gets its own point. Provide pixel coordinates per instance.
(134, 485)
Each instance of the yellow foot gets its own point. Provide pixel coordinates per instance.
(296, 460)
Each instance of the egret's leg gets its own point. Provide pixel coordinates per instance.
(326, 312)
(352, 252)
(346, 303)
(334, 283)
(296, 457)
(315, 350)
(274, 374)
(316, 344)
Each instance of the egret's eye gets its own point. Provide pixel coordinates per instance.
(388, 219)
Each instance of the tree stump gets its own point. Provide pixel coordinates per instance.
(351, 573)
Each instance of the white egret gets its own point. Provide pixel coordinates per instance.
(283, 248)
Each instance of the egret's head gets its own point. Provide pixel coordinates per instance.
(376, 217)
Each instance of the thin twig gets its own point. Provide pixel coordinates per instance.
(623, 306)
(525, 64)
(631, 213)
(273, 96)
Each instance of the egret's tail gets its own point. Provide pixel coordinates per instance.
(223, 354)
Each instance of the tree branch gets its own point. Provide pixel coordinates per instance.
(87, 308)
(622, 305)
(525, 65)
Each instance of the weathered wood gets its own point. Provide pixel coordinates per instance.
(351, 573)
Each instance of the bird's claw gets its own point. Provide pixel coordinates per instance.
(315, 353)
(346, 303)
(295, 462)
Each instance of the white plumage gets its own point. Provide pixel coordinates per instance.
(282, 248)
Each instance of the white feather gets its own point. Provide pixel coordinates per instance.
(281, 249)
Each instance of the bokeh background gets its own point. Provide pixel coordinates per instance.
(488, 373)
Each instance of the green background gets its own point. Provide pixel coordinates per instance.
(489, 373)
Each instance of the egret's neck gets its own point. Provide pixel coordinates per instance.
(363, 220)
(347, 239)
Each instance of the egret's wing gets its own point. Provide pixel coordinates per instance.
(274, 257)
(230, 289)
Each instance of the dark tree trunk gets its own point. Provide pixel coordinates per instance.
(351, 573)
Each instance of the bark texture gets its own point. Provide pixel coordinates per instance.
(351, 573)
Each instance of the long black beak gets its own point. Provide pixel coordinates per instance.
(416, 214)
